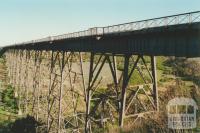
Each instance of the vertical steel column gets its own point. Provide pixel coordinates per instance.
(54, 97)
(9, 64)
(27, 80)
(123, 95)
(22, 79)
(115, 67)
(36, 83)
(61, 91)
(38, 64)
(155, 89)
(88, 96)
(82, 76)
(50, 77)
(19, 87)
(69, 64)
(11, 67)
(16, 68)
(115, 74)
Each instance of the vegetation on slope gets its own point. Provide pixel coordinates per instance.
(10, 121)
(176, 77)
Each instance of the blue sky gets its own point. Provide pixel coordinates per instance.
(22, 20)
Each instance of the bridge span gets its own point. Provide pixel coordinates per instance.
(63, 97)
(171, 35)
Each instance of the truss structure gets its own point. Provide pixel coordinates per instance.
(66, 95)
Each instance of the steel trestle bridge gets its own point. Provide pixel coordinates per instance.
(70, 102)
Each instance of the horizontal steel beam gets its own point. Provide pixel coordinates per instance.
(175, 40)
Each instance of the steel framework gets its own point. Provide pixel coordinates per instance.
(50, 76)
(58, 95)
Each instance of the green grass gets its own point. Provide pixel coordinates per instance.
(6, 118)
(8, 109)
(136, 79)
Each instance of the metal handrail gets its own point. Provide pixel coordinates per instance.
(185, 18)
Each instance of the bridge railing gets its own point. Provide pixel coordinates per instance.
(156, 22)
(185, 18)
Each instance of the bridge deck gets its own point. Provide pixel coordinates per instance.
(177, 35)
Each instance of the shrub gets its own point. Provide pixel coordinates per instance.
(9, 99)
